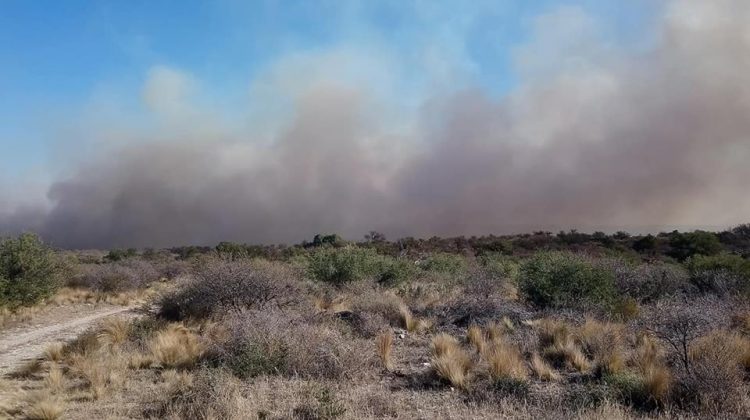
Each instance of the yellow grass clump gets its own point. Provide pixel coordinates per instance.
(558, 344)
(55, 380)
(542, 369)
(442, 344)
(475, 337)
(114, 331)
(604, 343)
(43, 406)
(505, 362)
(54, 352)
(384, 343)
(648, 359)
(99, 373)
(176, 347)
(657, 381)
(450, 362)
(410, 322)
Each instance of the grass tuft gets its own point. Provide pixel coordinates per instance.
(384, 343)
(542, 369)
(450, 362)
(176, 347)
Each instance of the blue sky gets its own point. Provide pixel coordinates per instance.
(58, 58)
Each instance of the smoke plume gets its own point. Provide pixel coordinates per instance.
(592, 137)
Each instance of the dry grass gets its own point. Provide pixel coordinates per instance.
(331, 305)
(542, 369)
(28, 369)
(647, 353)
(558, 344)
(384, 343)
(55, 380)
(604, 343)
(505, 361)
(657, 382)
(114, 331)
(11, 317)
(43, 406)
(176, 347)
(741, 322)
(99, 373)
(54, 352)
(442, 344)
(411, 323)
(74, 296)
(450, 362)
(177, 382)
(140, 361)
(475, 337)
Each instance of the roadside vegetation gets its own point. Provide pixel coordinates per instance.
(573, 325)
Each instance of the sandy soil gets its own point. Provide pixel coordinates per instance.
(28, 341)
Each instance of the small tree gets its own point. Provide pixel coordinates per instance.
(28, 271)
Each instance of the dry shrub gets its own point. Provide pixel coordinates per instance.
(54, 352)
(607, 410)
(386, 305)
(450, 362)
(220, 286)
(475, 336)
(117, 276)
(604, 343)
(43, 406)
(214, 394)
(385, 348)
(275, 342)
(714, 380)
(505, 362)
(542, 369)
(176, 347)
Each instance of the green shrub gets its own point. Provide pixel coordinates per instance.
(559, 279)
(629, 388)
(499, 265)
(396, 271)
(445, 263)
(343, 265)
(28, 271)
(720, 273)
(685, 245)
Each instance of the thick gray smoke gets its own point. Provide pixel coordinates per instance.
(649, 138)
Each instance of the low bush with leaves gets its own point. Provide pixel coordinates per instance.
(444, 263)
(343, 265)
(721, 274)
(28, 271)
(565, 280)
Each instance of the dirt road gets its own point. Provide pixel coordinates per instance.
(26, 342)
